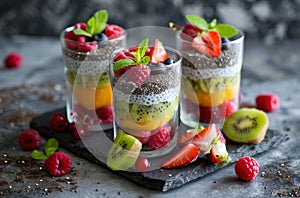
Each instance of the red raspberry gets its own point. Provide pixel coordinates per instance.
(267, 102)
(137, 74)
(160, 138)
(142, 164)
(246, 168)
(58, 122)
(80, 26)
(123, 55)
(84, 46)
(71, 40)
(29, 140)
(142, 136)
(13, 60)
(105, 114)
(58, 164)
(113, 31)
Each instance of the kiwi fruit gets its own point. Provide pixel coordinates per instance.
(145, 113)
(88, 81)
(123, 152)
(247, 125)
(231, 81)
(70, 76)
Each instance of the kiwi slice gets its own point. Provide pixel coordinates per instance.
(231, 81)
(70, 76)
(123, 152)
(145, 113)
(247, 125)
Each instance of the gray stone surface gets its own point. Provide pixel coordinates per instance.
(266, 69)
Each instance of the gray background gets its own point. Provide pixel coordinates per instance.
(266, 20)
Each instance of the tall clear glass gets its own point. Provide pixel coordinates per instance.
(144, 108)
(210, 85)
(89, 92)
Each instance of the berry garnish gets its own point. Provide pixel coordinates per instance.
(184, 156)
(29, 140)
(113, 31)
(225, 43)
(142, 164)
(188, 136)
(246, 168)
(139, 58)
(137, 74)
(81, 26)
(158, 53)
(101, 38)
(168, 61)
(160, 138)
(267, 102)
(209, 43)
(13, 60)
(190, 31)
(105, 114)
(207, 36)
(50, 147)
(58, 122)
(58, 164)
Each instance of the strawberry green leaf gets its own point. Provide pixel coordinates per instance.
(226, 30)
(123, 63)
(145, 60)
(51, 146)
(213, 24)
(197, 21)
(38, 155)
(143, 47)
(96, 24)
(82, 32)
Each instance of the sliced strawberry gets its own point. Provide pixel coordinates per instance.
(190, 31)
(208, 43)
(218, 154)
(113, 31)
(184, 156)
(221, 136)
(123, 55)
(205, 138)
(158, 53)
(188, 136)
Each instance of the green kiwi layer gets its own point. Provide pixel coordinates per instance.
(144, 113)
(215, 84)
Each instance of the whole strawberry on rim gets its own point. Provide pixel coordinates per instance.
(206, 38)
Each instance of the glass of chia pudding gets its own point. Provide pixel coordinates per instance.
(86, 48)
(146, 90)
(211, 67)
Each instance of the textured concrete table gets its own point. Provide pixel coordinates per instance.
(266, 69)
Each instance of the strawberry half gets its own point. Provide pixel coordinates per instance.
(218, 154)
(188, 136)
(158, 53)
(184, 156)
(209, 43)
(205, 138)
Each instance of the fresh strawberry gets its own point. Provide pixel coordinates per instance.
(190, 31)
(267, 102)
(205, 138)
(158, 53)
(218, 154)
(184, 156)
(209, 43)
(188, 136)
(113, 31)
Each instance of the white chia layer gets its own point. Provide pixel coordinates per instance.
(91, 63)
(149, 99)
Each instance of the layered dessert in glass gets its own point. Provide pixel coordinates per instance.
(86, 48)
(146, 90)
(212, 61)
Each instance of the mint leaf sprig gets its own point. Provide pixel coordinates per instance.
(139, 57)
(95, 24)
(225, 30)
(50, 147)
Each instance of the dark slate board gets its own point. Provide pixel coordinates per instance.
(160, 179)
